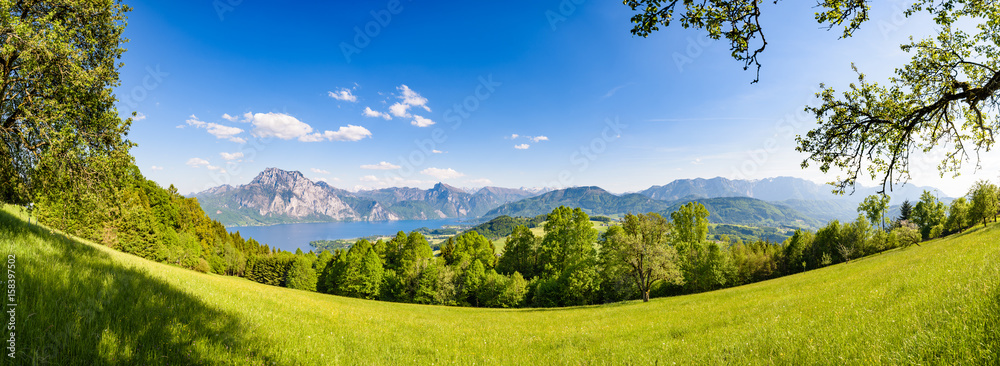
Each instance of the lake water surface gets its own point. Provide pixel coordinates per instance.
(297, 236)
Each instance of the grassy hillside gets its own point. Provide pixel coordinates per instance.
(81, 303)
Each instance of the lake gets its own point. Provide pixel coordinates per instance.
(297, 236)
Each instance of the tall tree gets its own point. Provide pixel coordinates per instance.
(928, 213)
(690, 223)
(569, 239)
(642, 243)
(905, 211)
(60, 65)
(520, 253)
(874, 208)
(983, 204)
(943, 98)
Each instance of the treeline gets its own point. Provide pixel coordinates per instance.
(502, 226)
(132, 214)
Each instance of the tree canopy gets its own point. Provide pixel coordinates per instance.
(59, 63)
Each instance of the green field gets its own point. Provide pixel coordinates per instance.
(81, 303)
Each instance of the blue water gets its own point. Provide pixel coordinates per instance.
(297, 236)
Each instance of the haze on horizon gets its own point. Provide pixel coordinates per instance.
(524, 94)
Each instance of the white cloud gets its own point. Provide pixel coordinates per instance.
(480, 181)
(539, 138)
(522, 146)
(369, 178)
(343, 94)
(399, 110)
(421, 121)
(373, 113)
(319, 171)
(229, 118)
(224, 132)
(139, 116)
(231, 156)
(217, 130)
(193, 121)
(437, 151)
(345, 133)
(514, 136)
(442, 173)
(180, 126)
(380, 166)
(154, 167)
(197, 162)
(279, 125)
(696, 161)
(410, 99)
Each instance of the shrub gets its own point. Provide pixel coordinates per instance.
(202, 266)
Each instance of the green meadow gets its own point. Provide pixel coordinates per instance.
(83, 303)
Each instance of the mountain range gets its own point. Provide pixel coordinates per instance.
(277, 196)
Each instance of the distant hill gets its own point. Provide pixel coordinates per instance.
(773, 189)
(751, 212)
(593, 200)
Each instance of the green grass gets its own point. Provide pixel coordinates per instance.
(81, 303)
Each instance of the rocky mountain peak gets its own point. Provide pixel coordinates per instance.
(274, 177)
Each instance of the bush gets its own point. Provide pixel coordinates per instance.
(202, 266)
(936, 232)
(907, 234)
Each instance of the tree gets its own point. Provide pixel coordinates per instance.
(928, 213)
(58, 120)
(467, 248)
(520, 253)
(874, 208)
(643, 245)
(958, 216)
(983, 202)
(362, 275)
(942, 98)
(301, 275)
(569, 239)
(690, 223)
(905, 211)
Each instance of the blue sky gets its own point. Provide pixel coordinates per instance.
(512, 94)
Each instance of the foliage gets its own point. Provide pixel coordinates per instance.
(501, 226)
(690, 223)
(983, 206)
(929, 213)
(642, 244)
(874, 208)
(58, 124)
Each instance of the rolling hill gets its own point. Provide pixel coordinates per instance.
(82, 303)
(749, 211)
(593, 200)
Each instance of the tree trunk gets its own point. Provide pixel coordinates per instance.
(645, 296)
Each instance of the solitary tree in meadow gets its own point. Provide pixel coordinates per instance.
(642, 243)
